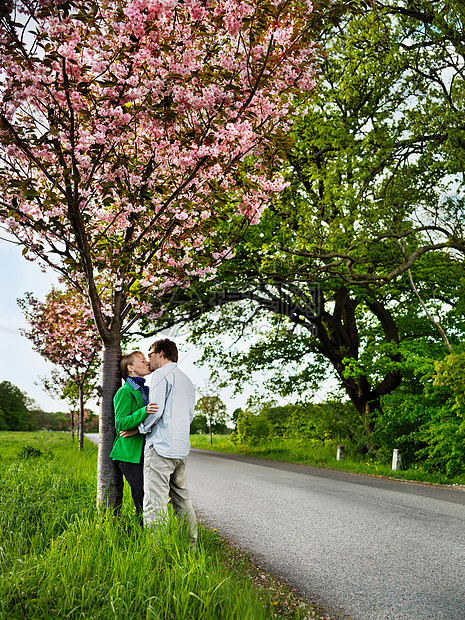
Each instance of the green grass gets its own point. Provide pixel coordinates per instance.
(60, 558)
(317, 455)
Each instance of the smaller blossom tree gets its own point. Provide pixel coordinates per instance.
(63, 331)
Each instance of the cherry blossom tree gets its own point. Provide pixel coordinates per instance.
(131, 131)
(63, 331)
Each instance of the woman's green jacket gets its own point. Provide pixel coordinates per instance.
(129, 413)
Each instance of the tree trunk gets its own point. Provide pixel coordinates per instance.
(339, 338)
(72, 424)
(78, 428)
(109, 477)
(81, 416)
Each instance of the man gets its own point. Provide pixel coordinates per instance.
(167, 442)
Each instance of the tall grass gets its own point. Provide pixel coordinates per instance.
(294, 451)
(60, 558)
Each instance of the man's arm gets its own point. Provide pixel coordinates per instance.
(151, 408)
(191, 412)
(157, 395)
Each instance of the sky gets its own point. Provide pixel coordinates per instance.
(23, 367)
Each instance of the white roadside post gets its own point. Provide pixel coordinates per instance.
(396, 459)
(340, 453)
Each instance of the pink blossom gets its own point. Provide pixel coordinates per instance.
(63, 331)
(128, 133)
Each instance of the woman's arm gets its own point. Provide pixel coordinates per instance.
(125, 417)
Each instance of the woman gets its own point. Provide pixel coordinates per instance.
(131, 407)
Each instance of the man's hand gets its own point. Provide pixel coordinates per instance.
(152, 408)
(130, 433)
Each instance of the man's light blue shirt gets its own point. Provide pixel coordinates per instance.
(167, 430)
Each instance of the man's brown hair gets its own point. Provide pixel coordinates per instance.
(167, 347)
(128, 360)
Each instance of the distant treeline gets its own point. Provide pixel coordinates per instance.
(18, 412)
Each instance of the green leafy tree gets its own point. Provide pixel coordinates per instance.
(277, 417)
(450, 373)
(330, 421)
(14, 405)
(252, 428)
(199, 424)
(370, 203)
(37, 419)
(3, 422)
(212, 407)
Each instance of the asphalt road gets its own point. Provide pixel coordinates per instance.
(362, 548)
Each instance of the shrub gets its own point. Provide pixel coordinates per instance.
(28, 452)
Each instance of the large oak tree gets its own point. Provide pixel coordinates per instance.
(374, 204)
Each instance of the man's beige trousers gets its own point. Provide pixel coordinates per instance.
(165, 479)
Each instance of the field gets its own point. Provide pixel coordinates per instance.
(60, 558)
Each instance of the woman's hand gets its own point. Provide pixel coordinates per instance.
(130, 433)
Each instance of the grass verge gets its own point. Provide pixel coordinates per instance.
(292, 451)
(60, 558)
